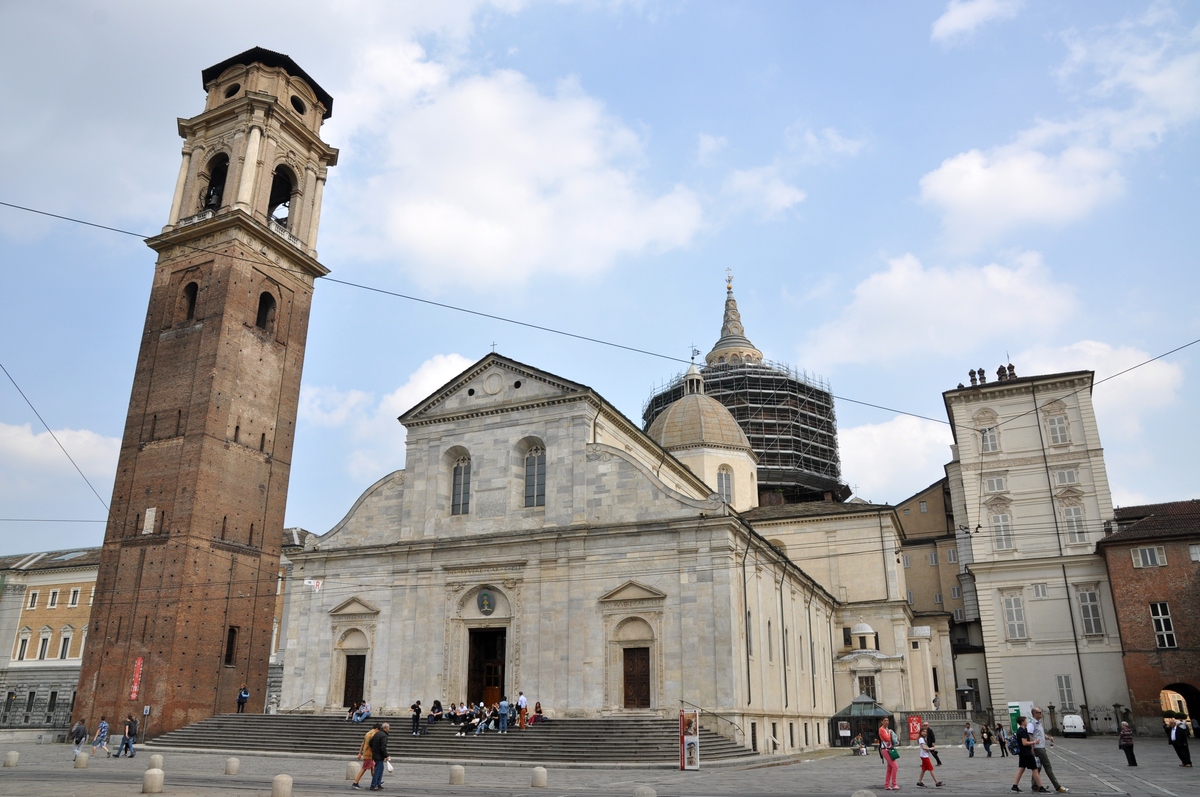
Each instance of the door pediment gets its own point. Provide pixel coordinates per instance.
(633, 591)
(354, 606)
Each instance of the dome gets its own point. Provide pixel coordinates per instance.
(862, 629)
(696, 421)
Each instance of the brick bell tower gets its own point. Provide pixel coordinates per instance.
(185, 597)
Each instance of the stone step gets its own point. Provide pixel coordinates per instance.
(608, 740)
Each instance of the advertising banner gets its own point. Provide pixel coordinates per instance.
(689, 739)
(137, 679)
(914, 727)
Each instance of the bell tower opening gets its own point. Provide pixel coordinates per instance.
(283, 186)
(214, 192)
(265, 319)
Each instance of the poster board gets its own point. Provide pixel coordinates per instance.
(689, 739)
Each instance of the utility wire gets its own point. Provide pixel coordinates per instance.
(54, 437)
(446, 306)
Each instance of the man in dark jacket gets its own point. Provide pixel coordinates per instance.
(1179, 740)
(379, 754)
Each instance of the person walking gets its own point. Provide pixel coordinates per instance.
(101, 739)
(1125, 742)
(79, 735)
(985, 736)
(522, 710)
(926, 761)
(969, 740)
(364, 755)
(1038, 733)
(504, 714)
(1179, 740)
(931, 737)
(379, 756)
(415, 708)
(890, 755)
(130, 737)
(243, 696)
(1025, 758)
(1002, 740)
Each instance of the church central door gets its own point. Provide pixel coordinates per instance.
(485, 668)
(356, 671)
(637, 677)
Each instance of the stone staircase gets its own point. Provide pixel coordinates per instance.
(597, 741)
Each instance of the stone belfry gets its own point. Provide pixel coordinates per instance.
(185, 597)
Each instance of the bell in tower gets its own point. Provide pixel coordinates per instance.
(185, 596)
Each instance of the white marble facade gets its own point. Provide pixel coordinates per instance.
(631, 552)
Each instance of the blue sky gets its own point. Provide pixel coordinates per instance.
(903, 191)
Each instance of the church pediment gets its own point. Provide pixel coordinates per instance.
(493, 382)
(354, 606)
(633, 591)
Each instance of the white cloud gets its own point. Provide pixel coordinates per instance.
(1120, 403)
(21, 450)
(890, 461)
(821, 146)
(762, 190)
(962, 17)
(709, 145)
(1141, 82)
(377, 437)
(909, 309)
(985, 195)
(484, 178)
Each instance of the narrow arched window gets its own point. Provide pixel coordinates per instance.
(190, 291)
(460, 498)
(231, 646)
(535, 477)
(725, 484)
(283, 185)
(266, 312)
(214, 193)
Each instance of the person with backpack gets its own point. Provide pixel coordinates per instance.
(127, 741)
(79, 735)
(1002, 737)
(1025, 758)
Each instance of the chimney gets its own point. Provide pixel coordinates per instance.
(974, 379)
(982, 377)
(1001, 374)
(1012, 372)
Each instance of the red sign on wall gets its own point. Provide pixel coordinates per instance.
(137, 679)
(914, 728)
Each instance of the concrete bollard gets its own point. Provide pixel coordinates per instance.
(152, 781)
(81, 761)
(863, 793)
(539, 778)
(458, 775)
(10, 758)
(231, 766)
(352, 769)
(281, 786)
(156, 762)
(644, 791)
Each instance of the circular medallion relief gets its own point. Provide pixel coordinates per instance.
(486, 602)
(493, 384)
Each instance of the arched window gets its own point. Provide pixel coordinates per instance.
(190, 292)
(283, 185)
(231, 645)
(725, 484)
(266, 312)
(214, 192)
(535, 477)
(460, 496)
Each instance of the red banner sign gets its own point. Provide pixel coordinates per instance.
(914, 728)
(137, 679)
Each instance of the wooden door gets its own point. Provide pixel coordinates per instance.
(356, 672)
(637, 677)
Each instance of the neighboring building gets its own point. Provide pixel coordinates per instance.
(932, 569)
(202, 477)
(1030, 499)
(787, 416)
(538, 541)
(853, 550)
(294, 539)
(1154, 565)
(45, 600)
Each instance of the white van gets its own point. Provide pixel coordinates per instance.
(1072, 725)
